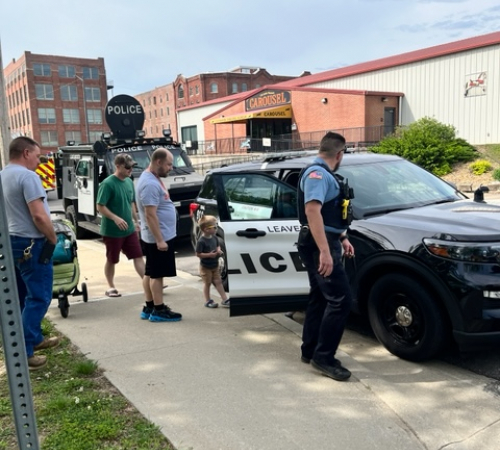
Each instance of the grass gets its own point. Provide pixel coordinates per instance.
(491, 151)
(77, 408)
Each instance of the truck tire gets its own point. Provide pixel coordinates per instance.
(406, 318)
(71, 216)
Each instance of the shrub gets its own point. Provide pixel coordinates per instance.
(480, 166)
(496, 174)
(430, 144)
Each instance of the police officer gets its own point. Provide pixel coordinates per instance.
(323, 202)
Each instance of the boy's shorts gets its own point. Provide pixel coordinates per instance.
(159, 264)
(129, 245)
(210, 275)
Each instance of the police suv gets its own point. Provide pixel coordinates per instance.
(427, 264)
(80, 168)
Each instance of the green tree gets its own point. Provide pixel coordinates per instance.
(430, 144)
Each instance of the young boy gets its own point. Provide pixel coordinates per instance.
(208, 250)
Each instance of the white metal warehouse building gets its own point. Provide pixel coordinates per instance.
(456, 83)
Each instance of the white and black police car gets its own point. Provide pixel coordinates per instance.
(427, 264)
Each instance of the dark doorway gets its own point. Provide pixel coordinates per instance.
(389, 120)
(266, 128)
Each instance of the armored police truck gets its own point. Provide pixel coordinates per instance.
(82, 167)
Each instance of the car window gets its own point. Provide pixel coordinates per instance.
(394, 184)
(254, 196)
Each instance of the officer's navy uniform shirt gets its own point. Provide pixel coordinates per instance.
(319, 184)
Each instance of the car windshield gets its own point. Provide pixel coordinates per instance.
(388, 186)
(142, 156)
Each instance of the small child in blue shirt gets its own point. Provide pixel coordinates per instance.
(209, 252)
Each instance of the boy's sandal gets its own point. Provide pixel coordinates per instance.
(211, 304)
(113, 293)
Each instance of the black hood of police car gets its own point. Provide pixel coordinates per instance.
(459, 221)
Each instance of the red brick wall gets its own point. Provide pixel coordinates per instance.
(31, 104)
(159, 111)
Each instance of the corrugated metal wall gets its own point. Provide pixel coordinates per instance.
(436, 88)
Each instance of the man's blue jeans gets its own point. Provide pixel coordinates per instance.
(34, 285)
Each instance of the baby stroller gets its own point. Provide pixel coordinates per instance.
(66, 268)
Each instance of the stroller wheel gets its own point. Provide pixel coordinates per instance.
(85, 292)
(63, 303)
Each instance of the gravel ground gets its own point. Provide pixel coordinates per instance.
(462, 177)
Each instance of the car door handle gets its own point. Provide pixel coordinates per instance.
(251, 233)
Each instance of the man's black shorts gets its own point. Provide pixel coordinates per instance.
(159, 264)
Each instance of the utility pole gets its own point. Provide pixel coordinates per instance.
(4, 119)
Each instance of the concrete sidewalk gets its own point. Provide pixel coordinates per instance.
(213, 382)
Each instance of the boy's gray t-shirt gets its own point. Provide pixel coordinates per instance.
(208, 245)
(20, 187)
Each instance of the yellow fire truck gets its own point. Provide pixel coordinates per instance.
(47, 172)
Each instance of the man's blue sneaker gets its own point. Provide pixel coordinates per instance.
(146, 312)
(164, 315)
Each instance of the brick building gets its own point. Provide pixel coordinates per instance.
(45, 99)
(161, 104)
(159, 111)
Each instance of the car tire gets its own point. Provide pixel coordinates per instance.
(71, 216)
(406, 318)
(223, 266)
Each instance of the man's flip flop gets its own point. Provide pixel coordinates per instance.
(113, 293)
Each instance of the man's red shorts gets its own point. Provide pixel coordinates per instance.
(129, 245)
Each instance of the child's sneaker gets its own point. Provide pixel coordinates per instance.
(225, 303)
(211, 304)
(146, 312)
(164, 315)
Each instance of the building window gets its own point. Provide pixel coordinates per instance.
(214, 89)
(67, 71)
(257, 85)
(235, 88)
(46, 115)
(197, 89)
(94, 116)
(44, 92)
(156, 114)
(49, 138)
(95, 135)
(92, 94)
(41, 70)
(24, 119)
(167, 97)
(154, 100)
(244, 87)
(68, 93)
(180, 91)
(75, 136)
(90, 73)
(161, 112)
(190, 91)
(71, 115)
(28, 116)
(168, 111)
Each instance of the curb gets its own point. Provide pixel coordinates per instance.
(493, 187)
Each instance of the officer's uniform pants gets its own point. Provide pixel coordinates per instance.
(329, 300)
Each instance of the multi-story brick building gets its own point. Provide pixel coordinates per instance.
(162, 103)
(159, 111)
(56, 99)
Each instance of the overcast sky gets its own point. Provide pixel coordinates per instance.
(147, 43)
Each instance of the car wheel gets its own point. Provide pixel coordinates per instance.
(71, 216)
(223, 266)
(406, 318)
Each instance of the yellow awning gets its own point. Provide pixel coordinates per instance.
(281, 112)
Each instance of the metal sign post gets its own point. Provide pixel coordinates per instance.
(11, 326)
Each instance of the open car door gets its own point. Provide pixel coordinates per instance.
(258, 218)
